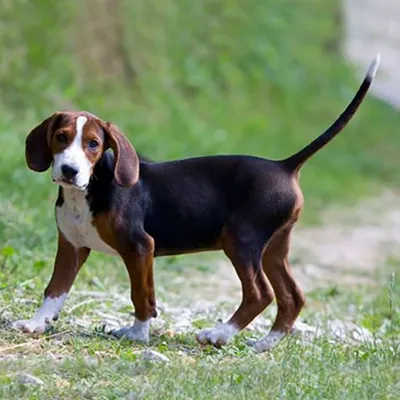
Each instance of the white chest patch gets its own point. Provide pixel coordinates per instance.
(74, 219)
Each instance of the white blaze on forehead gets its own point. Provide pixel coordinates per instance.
(80, 123)
(75, 157)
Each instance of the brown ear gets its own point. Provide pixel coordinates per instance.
(126, 168)
(37, 145)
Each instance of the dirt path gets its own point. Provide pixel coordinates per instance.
(351, 245)
(373, 26)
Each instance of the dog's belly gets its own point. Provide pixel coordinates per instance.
(179, 238)
(75, 222)
(168, 246)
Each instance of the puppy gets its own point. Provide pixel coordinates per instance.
(113, 202)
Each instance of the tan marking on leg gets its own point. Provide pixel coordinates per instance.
(68, 262)
(139, 263)
(67, 265)
(290, 297)
(104, 223)
(257, 294)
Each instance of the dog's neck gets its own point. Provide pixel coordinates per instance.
(74, 196)
(76, 202)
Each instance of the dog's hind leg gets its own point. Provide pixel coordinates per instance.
(289, 296)
(244, 247)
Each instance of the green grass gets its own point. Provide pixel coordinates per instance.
(184, 78)
(83, 362)
(299, 374)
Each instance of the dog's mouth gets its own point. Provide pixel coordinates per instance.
(69, 184)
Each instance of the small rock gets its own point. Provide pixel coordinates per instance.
(131, 396)
(28, 379)
(343, 330)
(152, 355)
(306, 332)
(25, 301)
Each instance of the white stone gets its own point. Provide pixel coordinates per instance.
(28, 379)
(151, 355)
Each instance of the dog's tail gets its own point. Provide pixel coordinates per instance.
(295, 161)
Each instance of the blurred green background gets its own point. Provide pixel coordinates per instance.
(184, 78)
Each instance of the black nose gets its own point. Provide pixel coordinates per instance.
(68, 171)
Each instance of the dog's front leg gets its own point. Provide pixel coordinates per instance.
(139, 263)
(67, 265)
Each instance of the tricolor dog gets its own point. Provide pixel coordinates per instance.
(116, 203)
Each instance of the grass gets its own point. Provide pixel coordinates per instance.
(76, 361)
(224, 376)
(181, 79)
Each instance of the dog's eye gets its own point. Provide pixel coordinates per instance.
(62, 138)
(93, 144)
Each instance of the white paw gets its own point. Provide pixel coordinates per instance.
(268, 342)
(30, 325)
(217, 336)
(139, 332)
(48, 312)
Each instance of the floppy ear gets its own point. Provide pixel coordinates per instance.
(126, 167)
(37, 145)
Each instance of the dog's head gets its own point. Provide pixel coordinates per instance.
(73, 142)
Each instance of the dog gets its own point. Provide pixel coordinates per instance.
(113, 202)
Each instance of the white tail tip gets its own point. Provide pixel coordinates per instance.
(374, 66)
